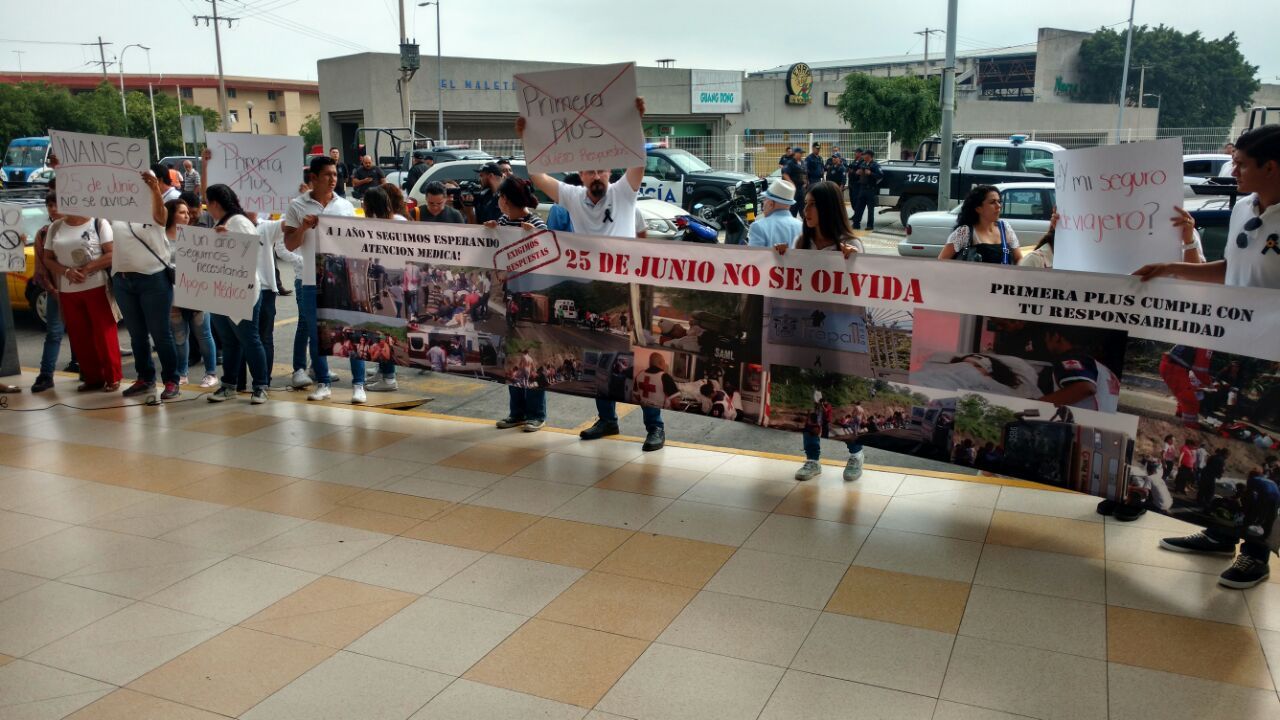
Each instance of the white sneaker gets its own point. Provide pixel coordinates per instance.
(386, 383)
(853, 468)
(300, 379)
(209, 380)
(357, 395)
(809, 470)
(322, 392)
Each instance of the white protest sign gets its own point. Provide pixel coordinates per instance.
(581, 118)
(263, 170)
(13, 254)
(1116, 205)
(216, 272)
(100, 176)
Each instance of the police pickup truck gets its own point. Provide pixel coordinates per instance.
(680, 177)
(911, 186)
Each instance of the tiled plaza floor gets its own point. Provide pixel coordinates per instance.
(199, 561)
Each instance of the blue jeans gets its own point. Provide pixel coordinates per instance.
(527, 403)
(307, 324)
(267, 329)
(242, 343)
(387, 369)
(182, 323)
(144, 302)
(813, 446)
(53, 333)
(608, 411)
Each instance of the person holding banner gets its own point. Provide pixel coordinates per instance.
(241, 341)
(826, 227)
(77, 251)
(377, 204)
(299, 232)
(776, 226)
(1251, 259)
(43, 278)
(182, 320)
(980, 235)
(143, 284)
(600, 207)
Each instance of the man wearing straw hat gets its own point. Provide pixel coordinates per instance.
(778, 226)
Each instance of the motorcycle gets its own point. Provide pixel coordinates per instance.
(733, 216)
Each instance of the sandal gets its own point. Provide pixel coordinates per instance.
(111, 386)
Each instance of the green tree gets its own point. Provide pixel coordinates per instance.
(906, 105)
(32, 109)
(1201, 82)
(310, 132)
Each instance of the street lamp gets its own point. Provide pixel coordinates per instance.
(155, 131)
(439, 75)
(124, 110)
(250, 106)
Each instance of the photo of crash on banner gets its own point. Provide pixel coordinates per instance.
(439, 317)
(1208, 436)
(568, 334)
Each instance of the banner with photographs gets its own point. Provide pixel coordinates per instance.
(1164, 394)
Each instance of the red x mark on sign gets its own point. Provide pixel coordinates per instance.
(583, 114)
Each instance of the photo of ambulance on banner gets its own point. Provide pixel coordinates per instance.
(1054, 391)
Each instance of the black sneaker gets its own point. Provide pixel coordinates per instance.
(139, 388)
(72, 367)
(1245, 573)
(42, 383)
(510, 422)
(1199, 543)
(1129, 513)
(602, 428)
(654, 440)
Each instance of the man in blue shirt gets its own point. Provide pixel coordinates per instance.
(777, 226)
(864, 187)
(813, 166)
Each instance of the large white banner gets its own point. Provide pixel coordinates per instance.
(715, 91)
(13, 255)
(216, 272)
(1116, 204)
(101, 176)
(1229, 319)
(581, 118)
(263, 170)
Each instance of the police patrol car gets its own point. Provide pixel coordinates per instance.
(682, 178)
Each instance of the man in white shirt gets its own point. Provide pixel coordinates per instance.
(300, 232)
(1251, 259)
(599, 207)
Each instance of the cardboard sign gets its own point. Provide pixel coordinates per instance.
(13, 255)
(263, 170)
(216, 272)
(1116, 204)
(582, 118)
(100, 176)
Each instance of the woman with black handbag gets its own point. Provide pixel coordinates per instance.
(980, 235)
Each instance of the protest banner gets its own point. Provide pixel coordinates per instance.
(216, 272)
(1069, 379)
(100, 176)
(1116, 204)
(263, 170)
(13, 251)
(581, 118)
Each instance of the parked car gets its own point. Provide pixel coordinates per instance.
(1028, 208)
(34, 217)
(680, 177)
(441, 154)
(911, 186)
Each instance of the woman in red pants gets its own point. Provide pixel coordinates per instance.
(78, 252)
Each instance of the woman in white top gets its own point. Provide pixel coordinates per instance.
(183, 320)
(1041, 256)
(77, 251)
(241, 341)
(142, 287)
(980, 234)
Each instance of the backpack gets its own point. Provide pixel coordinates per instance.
(985, 252)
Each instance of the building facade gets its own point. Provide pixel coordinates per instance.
(279, 107)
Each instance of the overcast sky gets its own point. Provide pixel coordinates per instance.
(284, 38)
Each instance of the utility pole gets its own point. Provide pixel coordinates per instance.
(1124, 75)
(926, 33)
(948, 110)
(217, 44)
(409, 64)
(177, 89)
(102, 56)
(19, 53)
(439, 75)
(1142, 83)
